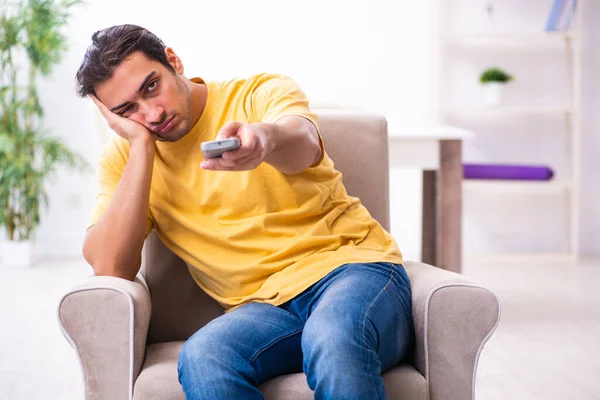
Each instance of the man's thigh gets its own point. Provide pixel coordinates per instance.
(370, 304)
(266, 337)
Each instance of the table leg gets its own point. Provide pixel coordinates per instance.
(441, 243)
(429, 221)
(449, 206)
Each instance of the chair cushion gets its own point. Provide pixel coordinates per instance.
(158, 380)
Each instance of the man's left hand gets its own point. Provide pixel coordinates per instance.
(251, 153)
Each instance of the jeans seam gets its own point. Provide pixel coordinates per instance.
(364, 319)
(260, 350)
(391, 277)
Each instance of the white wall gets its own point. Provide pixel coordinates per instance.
(370, 55)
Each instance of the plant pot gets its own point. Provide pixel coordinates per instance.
(17, 254)
(493, 94)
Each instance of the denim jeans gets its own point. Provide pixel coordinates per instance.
(343, 332)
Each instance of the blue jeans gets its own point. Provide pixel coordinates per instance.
(343, 332)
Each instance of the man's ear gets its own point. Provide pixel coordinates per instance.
(174, 60)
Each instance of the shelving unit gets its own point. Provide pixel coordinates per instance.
(565, 111)
(510, 111)
(507, 185)
(508, 41)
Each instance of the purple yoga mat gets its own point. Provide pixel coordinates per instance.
(505, 171)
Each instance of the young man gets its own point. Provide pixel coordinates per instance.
(311, 282)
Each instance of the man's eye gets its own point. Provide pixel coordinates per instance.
(125, 111)
(152, 86)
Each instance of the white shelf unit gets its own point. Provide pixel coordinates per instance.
(508, 41)
(509, 111)
(569, 43)
(503, 186)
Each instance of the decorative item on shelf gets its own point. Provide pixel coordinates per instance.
(561, 15)
(489, 23)
(507, 172)
(31, 45)
(493, 81)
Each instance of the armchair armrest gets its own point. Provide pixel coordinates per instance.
(105, 319)
(453, 319)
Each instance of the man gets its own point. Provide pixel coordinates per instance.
(309, 280)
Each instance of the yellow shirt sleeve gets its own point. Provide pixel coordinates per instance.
(277, 96)
(110, 169)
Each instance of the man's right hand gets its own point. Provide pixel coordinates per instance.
(124, 127)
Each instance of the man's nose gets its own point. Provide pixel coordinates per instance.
(153, 114)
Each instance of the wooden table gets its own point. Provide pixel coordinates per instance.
(436, 150)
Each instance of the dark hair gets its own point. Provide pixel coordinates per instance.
(109, 48)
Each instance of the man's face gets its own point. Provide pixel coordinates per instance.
(150, 94)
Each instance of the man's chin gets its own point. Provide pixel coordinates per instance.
(170, 137)
(163, 139)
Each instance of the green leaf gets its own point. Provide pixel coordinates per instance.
(7, 145)
(495, 75)
(10, 28)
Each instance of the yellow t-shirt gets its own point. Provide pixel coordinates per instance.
(256, 235)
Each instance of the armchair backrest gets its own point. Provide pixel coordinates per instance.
(355, 141)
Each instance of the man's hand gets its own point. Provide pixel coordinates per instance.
(291, 145)
(254, 147)
(124, 127)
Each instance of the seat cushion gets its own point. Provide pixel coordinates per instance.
(158, 380)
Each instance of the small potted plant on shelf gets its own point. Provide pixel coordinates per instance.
(493, 81)
(31, 44)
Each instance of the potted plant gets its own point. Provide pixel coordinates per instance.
(493, 81)
(30, 46)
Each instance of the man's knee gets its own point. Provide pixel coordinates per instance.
(197, 355)
(338, 361)
(212, 367)
(332, 344)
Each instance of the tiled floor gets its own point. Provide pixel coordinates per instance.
(547, 344)
(36, 362)
(546, 347)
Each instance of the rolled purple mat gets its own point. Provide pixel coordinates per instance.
(506, 171)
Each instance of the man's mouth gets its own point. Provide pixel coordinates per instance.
(165, 126)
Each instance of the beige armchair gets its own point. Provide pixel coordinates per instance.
(128, 335)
